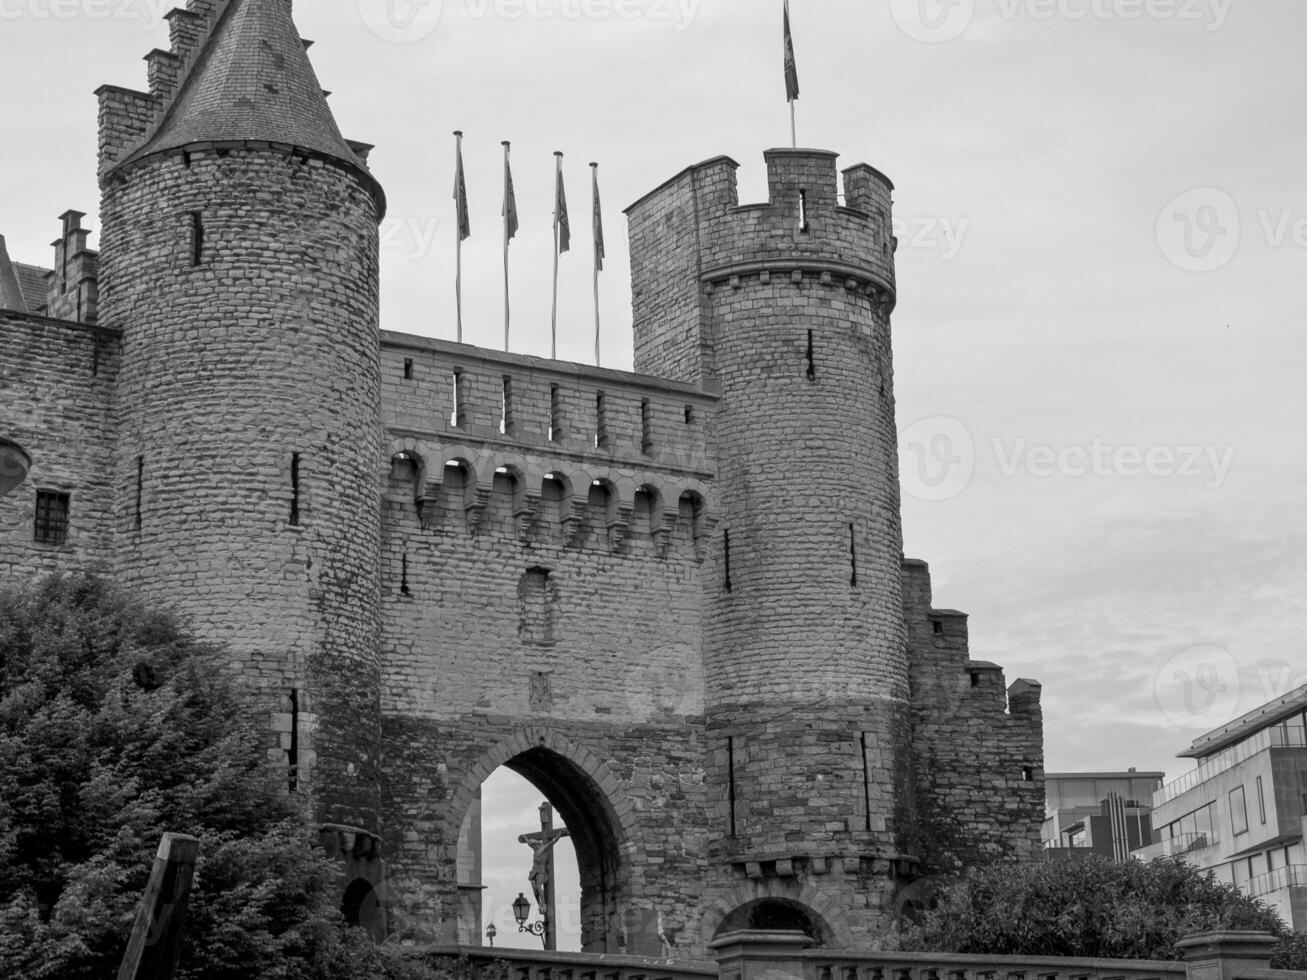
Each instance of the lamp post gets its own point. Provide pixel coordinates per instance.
(522, 912)
(491, 933)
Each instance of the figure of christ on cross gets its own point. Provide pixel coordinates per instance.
(542, 870)
(542, 863)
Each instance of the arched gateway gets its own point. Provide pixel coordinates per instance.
(589, 799)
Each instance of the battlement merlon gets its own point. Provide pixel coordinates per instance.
(560, 414)
(691, 235)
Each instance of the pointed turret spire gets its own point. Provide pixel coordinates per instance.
(251, 81)
(11, 291)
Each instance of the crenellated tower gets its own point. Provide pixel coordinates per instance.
(784, 308)
(240, 262)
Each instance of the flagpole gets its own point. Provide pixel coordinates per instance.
(553, 316)
(594, 169)
(458, 234)
(791, 76)
(507, 145)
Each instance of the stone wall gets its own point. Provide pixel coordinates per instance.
(978, 747)
(542, 609)
(58, 381)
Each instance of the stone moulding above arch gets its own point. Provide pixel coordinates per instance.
(619, 810)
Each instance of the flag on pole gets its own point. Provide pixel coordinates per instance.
(600, 253)
(460, 194)
(791, 68)
(561, 222)
(510, 200)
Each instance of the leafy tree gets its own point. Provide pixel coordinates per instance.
(115, 727)
(1091, 908)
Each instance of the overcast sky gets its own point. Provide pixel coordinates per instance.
(1103, 239)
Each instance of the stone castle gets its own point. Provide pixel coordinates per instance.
(674, 600)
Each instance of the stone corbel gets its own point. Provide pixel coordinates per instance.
(525, 516)
(475, 510)
(574, 523)
(662, 539)
(619, 528)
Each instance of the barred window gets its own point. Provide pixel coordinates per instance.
(51, 517)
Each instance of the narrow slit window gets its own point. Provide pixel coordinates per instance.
(408, 369)
(601, 421)
(506, 408)
(293, 752)
(646, 426)
(140, 488)
(730, 779)
(403, 575)
(689, 415)
(803, 211)
(458, 417)
(866, 783)
(295, 489)
(197, 238)
(812, 366)
(1261, 800)
(853, 555)
(556, 433)
(51, 526)
(726, 558)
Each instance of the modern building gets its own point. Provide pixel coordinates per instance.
(1240, 812)
(1107, 813)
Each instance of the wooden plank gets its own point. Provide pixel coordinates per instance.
(155, 943)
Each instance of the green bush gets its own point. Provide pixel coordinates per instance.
(1092, 907)
(116, 727)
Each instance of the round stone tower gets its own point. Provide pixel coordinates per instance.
(240, 260)
(784, 309)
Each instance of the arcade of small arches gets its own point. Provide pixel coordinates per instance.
(560, 494)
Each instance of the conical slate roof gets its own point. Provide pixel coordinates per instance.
(252, 81)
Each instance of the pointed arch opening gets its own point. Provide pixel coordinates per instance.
(568, 778)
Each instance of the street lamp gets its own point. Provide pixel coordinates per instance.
(522, 912)
(491, 933)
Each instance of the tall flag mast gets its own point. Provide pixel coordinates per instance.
(464, 226)
(791, 77)
(599, 251)
(510, 229)
(562, 243)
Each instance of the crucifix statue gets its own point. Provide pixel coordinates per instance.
(542, 869)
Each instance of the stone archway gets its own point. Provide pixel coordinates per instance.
(770, 904)
(589, 800)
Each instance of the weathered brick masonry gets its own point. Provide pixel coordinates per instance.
(675, 600)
